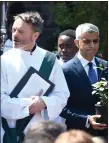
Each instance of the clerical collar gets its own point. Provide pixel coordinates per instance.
(31, 51)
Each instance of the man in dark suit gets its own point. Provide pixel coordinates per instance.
(80, 112)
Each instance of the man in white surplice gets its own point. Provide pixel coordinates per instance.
(16, 62)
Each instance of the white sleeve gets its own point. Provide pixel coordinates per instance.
(12, 108)
(87, 122)
(57, 99)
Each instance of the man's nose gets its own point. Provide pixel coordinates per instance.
(91, 44)
(15, 33)
(64, 49)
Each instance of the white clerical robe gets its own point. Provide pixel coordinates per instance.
(8, 45)
(14, 64)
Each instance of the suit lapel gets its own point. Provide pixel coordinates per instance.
(81, 72)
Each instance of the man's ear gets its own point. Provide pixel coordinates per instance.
(36, 35)
(76, 42)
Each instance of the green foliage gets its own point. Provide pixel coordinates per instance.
(101, 90)
(69, 14)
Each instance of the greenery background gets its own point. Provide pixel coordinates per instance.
(62, 15)
(70, 14)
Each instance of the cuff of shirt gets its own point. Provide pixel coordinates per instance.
(87, 122)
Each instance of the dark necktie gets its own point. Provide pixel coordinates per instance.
(92, 74)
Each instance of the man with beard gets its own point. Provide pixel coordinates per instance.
(19, 109)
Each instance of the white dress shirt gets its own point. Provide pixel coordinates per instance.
(85, 62)
(61, 62)
(85, 65)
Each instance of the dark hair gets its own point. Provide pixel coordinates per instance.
(32, 18)
(69, 32)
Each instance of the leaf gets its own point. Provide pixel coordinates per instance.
(101, 90)
(93, 92)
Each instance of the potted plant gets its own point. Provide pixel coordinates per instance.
(100, 89)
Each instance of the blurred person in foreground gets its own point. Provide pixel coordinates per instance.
(74, 136)
(48, 129)
(39, 138)
(77, 136)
